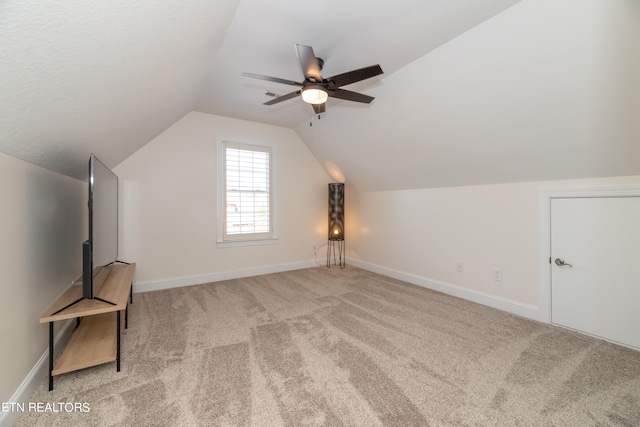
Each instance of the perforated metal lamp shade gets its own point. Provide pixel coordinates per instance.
(336, 211)
(336, 225)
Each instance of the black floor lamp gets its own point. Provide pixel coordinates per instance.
(336, 225)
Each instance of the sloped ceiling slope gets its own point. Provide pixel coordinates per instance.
(545, 90)
(81, 76)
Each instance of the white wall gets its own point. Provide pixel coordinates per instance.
(44, 221)
(168, 195)
(420, 236)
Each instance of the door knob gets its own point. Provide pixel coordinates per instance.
(560, 262)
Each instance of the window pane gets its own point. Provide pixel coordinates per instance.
(247, 191)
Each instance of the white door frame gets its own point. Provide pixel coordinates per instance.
(546, 195)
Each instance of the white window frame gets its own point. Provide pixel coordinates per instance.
(223, 239)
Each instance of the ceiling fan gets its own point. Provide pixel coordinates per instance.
(315, 89)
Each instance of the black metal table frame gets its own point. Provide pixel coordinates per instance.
(118, 338)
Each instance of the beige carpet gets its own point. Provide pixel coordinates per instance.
(344, 347)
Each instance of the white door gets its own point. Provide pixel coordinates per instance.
(597, 290)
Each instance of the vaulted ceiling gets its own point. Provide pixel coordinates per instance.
(472, 92)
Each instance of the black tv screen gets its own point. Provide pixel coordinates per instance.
(101, 249)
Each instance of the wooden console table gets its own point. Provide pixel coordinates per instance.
(96, 339)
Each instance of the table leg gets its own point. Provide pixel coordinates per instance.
(50, 356)
(118, 340)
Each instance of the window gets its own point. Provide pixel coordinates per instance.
(247, 192)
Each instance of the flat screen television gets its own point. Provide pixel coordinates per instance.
(101, 250)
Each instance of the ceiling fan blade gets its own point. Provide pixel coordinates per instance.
(319, 108)
(355, 75)
(308, 62)
(350, 96)
(282, 98)
(271, 79)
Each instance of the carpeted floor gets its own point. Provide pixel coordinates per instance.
(344, 347)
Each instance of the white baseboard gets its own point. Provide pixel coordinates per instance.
(504, 304)
(39, 370)
(178, 282)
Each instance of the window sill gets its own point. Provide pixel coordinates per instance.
(240, 243)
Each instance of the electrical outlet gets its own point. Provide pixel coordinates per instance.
(497, 274)
(460, 267)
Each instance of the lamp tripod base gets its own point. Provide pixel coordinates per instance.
(336, 247)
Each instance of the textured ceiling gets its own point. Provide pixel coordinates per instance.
(473, 92)
(81, 76)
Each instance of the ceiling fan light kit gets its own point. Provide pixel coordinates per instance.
(315, 89)
(314, 95)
